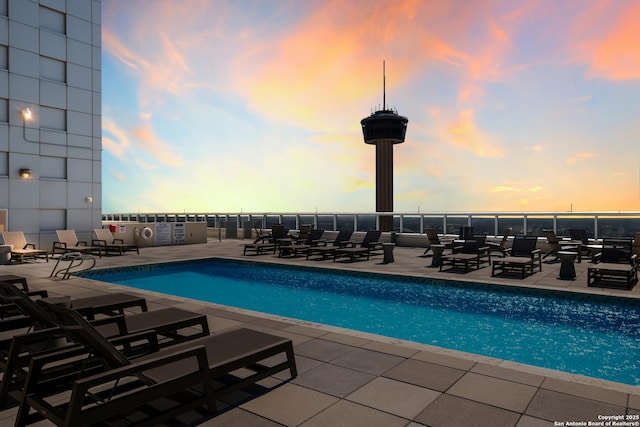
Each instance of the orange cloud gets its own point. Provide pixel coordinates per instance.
(613, 51)
(465, 134)
(156, 147)
(579, 156)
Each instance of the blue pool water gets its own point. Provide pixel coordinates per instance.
(584, 334)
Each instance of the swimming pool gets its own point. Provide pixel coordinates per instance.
(590, 335)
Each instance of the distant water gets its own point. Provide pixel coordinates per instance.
(593, 336)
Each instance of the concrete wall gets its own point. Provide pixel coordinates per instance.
(162, 233)
(50, 63)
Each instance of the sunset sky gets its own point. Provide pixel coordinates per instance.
(255, 106)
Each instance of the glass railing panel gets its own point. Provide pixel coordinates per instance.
(618, 226)
(307, 219)
(536, 224)
(564, 223)
(325, 222)
(436, 222)
(484, 225)
(410, 224)
(366, 222)
(289, 221)
(455, 222)
(271, 220)
(345, 222)
(515, 223)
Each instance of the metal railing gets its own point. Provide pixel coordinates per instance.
(597, 224)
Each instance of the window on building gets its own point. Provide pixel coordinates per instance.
(53, 69)
(52, 20)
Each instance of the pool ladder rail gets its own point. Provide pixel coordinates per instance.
(76, 264)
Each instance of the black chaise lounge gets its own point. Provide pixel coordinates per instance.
(522, 258)
(172, 324)
(314, 237)
(472, 253)
(327, 250)
(370, 245)
(152, 388)
(616, 266)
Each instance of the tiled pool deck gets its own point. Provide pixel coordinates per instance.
(348, 378)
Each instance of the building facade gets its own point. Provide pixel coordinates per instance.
(50, 117)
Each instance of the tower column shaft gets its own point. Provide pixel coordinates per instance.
(384, 183)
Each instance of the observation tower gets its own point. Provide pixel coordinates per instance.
(384, 128)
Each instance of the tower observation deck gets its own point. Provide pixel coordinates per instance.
(384, 128)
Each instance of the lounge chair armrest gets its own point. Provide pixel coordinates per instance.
(59, 245)
(81, 243)
(536, 251)
(29, 246)
(98, 242)
(121, 241)
(38, 293)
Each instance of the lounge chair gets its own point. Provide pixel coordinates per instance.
(302, 246)
(556, 245)
(434, 239)
(68, 242)
(472, 253)
(108, 243)
(173, 324)
(326, 250)
(522, 258)
(616, 266)
(501, 247)
(186, 376)
(22, 249)
(303, 233)
(636, 244)
(465, 232)
(370, 245)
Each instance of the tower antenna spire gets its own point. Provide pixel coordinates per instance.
(384, 87)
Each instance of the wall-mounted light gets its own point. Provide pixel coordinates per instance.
(27, 115)
(25, 173)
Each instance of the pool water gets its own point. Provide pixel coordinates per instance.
(589, 335)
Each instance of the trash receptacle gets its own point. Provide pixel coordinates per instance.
(112, 228)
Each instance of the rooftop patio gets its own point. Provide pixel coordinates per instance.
(353, 378)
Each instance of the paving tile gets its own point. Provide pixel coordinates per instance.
(350, 414)
(368, 361)
(305, 330)
(494, 391)
(634, 401)
(527, 421)
(587, 391)
(423, 374)
(508, 374)
(239, 417)
(322, 350)
(444, 360)
(345, 339)
(383, 347)
(290, 404)
(395, 397)
(452, 411)
(333, 380)
(555, 406)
